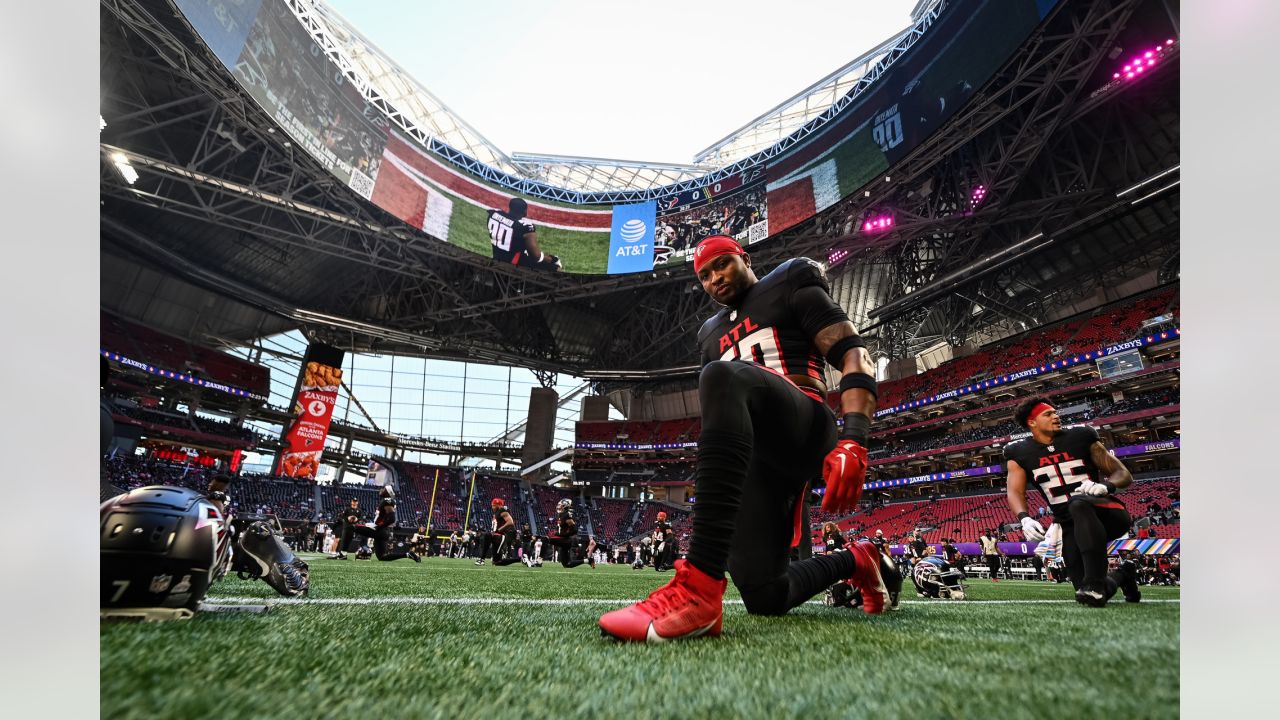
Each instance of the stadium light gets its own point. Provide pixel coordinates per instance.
(977, 196)
(121, 161)
(877, 223)
(1140, 63)
(1149, 180)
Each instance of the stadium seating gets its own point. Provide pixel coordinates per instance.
(1108, 325)
(881, 450)
(638, 432)
(155, 348)
(964, 518)
(181, 423)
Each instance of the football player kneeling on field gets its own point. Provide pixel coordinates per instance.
(163, 547)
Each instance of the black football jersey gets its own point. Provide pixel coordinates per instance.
(775, 322)
(507, 235)
(499, 521)
(565, 523)
(386, 513)
(348, 513)
(834, 541)
(1057, 468)
(663, 528)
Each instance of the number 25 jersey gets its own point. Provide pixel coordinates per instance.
(775, 322)
(1057, 468)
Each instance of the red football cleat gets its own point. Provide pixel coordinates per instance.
(867, 578)
(688, 606)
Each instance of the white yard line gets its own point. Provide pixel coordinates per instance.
(581, 601)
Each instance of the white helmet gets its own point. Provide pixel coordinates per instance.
(564, 504)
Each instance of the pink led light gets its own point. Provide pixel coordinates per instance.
(1148, 54)
(869, 226)
(1129, 75)
(1126, 68)
(1168, 42)
(1140, 69)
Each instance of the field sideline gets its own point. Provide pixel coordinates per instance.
(449, 639)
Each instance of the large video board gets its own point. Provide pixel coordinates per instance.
(280, 65)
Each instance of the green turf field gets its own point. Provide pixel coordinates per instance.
(451, 640)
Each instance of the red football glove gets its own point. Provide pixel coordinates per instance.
(844, 470)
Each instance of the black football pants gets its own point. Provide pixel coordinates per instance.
(762, 439)
(385, 547)
(1094, 522)
(501, 546)
(571, 550)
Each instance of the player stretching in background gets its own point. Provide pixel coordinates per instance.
(567, 541)
(385, 546)
(501, 539)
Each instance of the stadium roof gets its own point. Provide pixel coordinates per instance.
(231, 232)
(411, 97)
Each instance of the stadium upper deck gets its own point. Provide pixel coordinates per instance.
(264, 195)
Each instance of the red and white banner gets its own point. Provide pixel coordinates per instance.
(313, 409)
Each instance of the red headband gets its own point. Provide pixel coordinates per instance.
(1038, 410)
(713, 247)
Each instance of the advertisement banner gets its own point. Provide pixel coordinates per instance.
(1149, 546)
(631, 237)
(303, 439)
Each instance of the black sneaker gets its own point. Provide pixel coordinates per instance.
(480, 561)
(416, 557)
